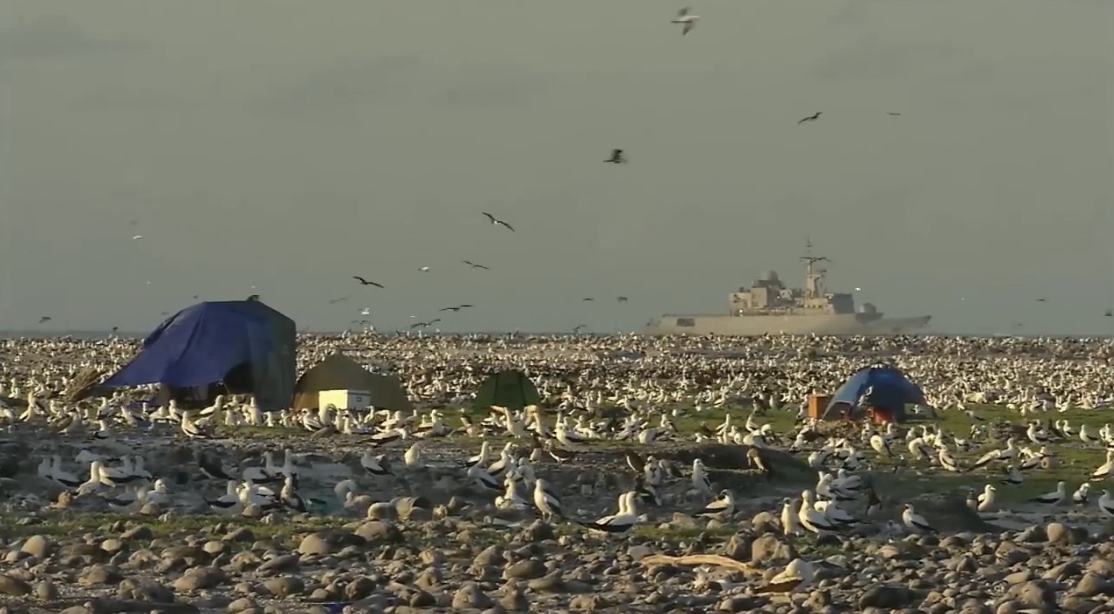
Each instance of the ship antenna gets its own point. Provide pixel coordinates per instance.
(811, 275)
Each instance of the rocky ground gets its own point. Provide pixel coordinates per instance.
(433, 543)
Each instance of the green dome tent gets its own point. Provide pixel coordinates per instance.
(510, 388)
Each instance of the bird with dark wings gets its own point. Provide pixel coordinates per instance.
(497, 222)
(364, 282)
(617, 157)
(474, 265)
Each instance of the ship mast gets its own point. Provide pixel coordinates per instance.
(814, 276)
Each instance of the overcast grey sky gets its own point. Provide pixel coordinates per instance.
(289, 145)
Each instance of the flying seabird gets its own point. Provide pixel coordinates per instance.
(475, 265)
(497, 222)
(685, 17)
(364, 282)
(455, 309)
(621, 299)
(44, 319)
(337, 300)
(617, 157)
(425, 324)
(810, 118)
(892, 113)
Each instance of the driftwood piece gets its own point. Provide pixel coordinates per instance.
(698, 559)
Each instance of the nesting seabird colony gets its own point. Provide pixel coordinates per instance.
(993, 495)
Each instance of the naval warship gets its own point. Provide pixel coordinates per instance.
(770, 307)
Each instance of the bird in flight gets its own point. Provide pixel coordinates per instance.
(622, 299)
(424, 269)
(810, 118)
(137, 237)
(338, 300)
(892, 113)
(617, 157)
(364, 282)
(588, 300)
(455, 309)
(425, 324)
(579, 327)
(683, 16)
(497, 222)
(474, 265)
(45, 319)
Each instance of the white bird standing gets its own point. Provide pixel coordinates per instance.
(1104, 470)
(812, 519)
(621, 522)
(789, 523)
(986, 500)
(915, 521)
(685, 16)
(1079, 497)
(1055, 497)
(700, 478)
(1106, 503)
(546, 501)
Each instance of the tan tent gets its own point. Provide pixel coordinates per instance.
(339, 372)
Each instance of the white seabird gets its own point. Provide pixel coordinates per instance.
(915, 521)
(684, 16)
(796, 575)
(1106, 503)
(546, 501)
(618, 523)
(723, 505)
(1055, 497)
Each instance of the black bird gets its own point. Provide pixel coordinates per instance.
(425, 324)
(44, 319)
(617, 157)
(454, 309)
(497, 222)
(622, 299)
(1109, 313)
(892, 113)
(474, 265)
(364, 282)
(810, 118)
(337, 300)
(588, 300)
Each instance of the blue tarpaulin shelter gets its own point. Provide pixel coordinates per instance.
(207, 342)
(889, 388)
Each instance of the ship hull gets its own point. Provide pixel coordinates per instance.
(743, 326)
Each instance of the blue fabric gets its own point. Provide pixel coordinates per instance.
(199, 345)
(891, 389)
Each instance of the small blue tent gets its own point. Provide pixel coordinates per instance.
(207, 342)
(889, 388)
